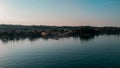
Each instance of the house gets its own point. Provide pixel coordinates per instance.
(43, 33)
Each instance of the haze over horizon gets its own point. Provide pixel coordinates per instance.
(60, 12)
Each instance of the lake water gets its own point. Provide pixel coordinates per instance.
(73, 52)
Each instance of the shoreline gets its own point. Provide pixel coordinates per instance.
(17, 31)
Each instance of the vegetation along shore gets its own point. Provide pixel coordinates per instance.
(21, 31)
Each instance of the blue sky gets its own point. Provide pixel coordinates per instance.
(60, 12)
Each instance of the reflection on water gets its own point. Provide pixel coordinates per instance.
(82, 38)
(96, 52)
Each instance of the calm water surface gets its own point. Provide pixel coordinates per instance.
(74, 52)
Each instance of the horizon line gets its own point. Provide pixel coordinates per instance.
(58, 25)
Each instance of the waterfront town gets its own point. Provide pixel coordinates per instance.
(7, 31)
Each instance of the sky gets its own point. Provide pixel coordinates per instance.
(60, 12)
